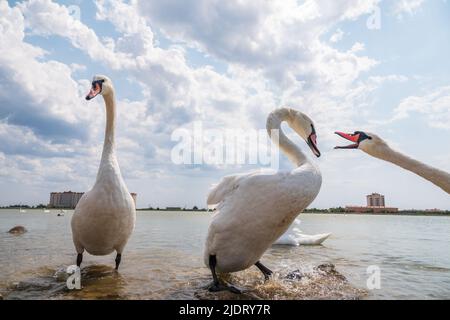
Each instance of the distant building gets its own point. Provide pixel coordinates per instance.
(66, 199)
(375, 204)
(375, 200)
(69, 199)
(173, 208)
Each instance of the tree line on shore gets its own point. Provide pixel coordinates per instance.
(335, 210)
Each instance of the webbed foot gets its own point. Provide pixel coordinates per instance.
(216, 287)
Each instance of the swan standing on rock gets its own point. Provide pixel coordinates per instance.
(104, 217)
(376, 147)
(255, 209)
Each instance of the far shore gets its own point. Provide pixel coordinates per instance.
(307, 211)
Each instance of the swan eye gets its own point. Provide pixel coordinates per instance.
(99, 82)
(363, 136)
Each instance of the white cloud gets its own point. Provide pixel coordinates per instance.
(281, 40)
(45, 95)
(337, 36)
(273, 53)
(407, 6)
(279, 37)
(435, 106)
(174, 93)
(45, 125)
(44, 17)
(389, 78)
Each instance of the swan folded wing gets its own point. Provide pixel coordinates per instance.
(228, 184)
(252, 216)
(316, 239)
(222, 189)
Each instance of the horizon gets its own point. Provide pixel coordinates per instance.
(354, 66)
(200, 207)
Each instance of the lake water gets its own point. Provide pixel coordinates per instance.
(163, 259)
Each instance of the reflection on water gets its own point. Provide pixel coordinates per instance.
(163, 260)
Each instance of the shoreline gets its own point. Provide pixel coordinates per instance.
(403, 213)
(423, 214)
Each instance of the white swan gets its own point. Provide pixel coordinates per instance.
(104, 217)
(378, 148)
(294, 237)
(255, 209)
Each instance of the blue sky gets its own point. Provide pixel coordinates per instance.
(227, 65)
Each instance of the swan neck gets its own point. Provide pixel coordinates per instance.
(436, 176)
(276, 134)
(109, 142)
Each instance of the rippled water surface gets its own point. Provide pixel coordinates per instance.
(163, 260)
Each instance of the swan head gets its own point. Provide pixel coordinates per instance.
(100, 85)
(366, 141)
(304, 127)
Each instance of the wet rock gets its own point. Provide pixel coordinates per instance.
(38, 287)
(330, 270)
(326, 270)
(294, 275)
(326, 267)
(61, 274)
(18, 230)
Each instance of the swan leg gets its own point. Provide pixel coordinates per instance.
(266, 271)
(118, 259)
(216, 285)
(79, 259)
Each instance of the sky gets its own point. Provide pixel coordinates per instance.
(374, 65)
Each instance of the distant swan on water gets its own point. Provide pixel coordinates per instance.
(295, 237)
(255, 209)
(373, 145)
(104, 217)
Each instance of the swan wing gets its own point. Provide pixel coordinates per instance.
(301, 239)
(253, 211)
(316, 239)
(227, 185)
(219, 191)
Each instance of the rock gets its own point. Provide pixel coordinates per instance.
(294, 275)
(330, 270)
(326, 267)
(1, 297)
(18, 230)
(61, 274)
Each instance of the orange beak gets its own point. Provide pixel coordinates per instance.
(95, 90)
(351, 137)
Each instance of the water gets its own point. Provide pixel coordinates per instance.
(163, 259)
